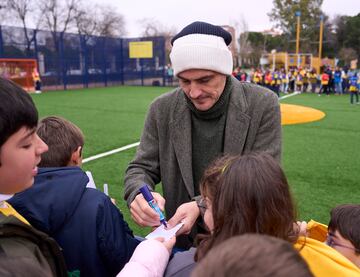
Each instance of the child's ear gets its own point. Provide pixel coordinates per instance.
(76, 157)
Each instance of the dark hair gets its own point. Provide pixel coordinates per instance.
(17, 110)
(249, 194)
(63, 139)
(252, 255)
(346, 220)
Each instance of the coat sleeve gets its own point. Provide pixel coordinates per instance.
(149, 259)
(116, 242)
(145, 167)
(268, 136)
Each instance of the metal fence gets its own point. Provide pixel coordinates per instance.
(72, 60)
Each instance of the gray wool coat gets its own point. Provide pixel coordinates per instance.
(253, 123)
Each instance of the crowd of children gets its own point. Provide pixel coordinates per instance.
(330, 81)
(59, 226)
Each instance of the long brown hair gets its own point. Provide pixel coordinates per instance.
(249, 194)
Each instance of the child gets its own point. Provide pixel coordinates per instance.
(65, 141)
(20, 152)
(66, 147)
(91, 230)
(250, 194)
(37, 80)
(259, 255)
(149, 259)
(344, 231)
(354, 88)
(325, 83)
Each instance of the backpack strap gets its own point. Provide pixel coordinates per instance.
(18, 238)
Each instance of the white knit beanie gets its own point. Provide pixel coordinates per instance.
(201, 45)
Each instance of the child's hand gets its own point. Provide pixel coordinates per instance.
(169, 244)
(301, 227)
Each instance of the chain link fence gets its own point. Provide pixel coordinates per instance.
(68, 60)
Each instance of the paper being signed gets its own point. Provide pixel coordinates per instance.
(164, 233)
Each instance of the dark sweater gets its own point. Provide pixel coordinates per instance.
(207, 134)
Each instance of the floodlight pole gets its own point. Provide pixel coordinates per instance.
(321, 35)
(297, 14)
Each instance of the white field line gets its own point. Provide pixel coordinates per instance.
(289, 95)
(126, 147)
(101, 155)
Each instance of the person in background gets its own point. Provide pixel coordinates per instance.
(345, 79)
(37, 80)
(306, 76)
(313, 79)
(354, 88)
(284, 81)
(325, 83)
(338, 81)
(169, 74)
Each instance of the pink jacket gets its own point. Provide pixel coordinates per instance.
(150, 259)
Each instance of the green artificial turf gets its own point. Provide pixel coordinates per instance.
(320, 159)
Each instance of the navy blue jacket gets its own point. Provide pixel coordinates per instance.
(91, 230)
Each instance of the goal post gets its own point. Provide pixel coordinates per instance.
(19, 71)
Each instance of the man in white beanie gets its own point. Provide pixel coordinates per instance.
(209, 115)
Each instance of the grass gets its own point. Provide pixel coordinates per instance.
(320, 159)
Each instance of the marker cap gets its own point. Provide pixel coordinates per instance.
(146, 193)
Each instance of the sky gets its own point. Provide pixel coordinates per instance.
(178, 14)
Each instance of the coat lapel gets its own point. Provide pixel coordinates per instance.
(180, 130)
(237, 122)
(236, 130)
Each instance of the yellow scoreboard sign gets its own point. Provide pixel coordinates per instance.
(141, 49)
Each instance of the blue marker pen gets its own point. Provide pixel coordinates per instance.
(150, 199)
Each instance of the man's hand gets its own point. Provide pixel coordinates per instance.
(186, 213)
(143, 214)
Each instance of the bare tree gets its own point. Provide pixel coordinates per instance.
(58, 17)
(153, 28)
(347, 55)
(24, 11)
(86, 21)
(110, 23)
(244, 44)
(100, 21)
(3, 11)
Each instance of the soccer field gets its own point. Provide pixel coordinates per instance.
(321, 159)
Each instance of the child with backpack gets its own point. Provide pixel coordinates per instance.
(91, 230)
(36, 254)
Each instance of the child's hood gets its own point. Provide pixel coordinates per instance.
(53, 198)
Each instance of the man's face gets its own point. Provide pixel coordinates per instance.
(19, 157)
(202, 87)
